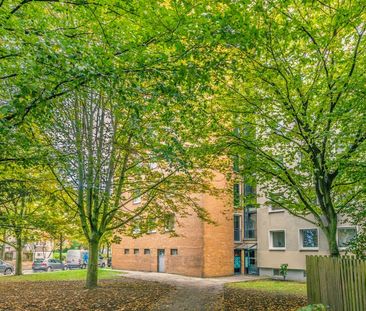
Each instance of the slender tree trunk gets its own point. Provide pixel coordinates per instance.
(2, 250)
(19, 256)
(61, 246)
(92, 273)
(331, 234)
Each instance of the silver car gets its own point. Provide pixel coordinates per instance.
(6, 268)
(47, 265)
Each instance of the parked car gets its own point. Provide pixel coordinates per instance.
(48, 265)
(6, 268)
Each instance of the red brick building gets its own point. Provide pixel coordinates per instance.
(200, 249)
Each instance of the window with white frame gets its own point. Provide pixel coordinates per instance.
(277, 239)
(309, 238)
(275, 209)
(151, 225)
(345, 235)
(136, 228)
(169, 222)
(237, 228)
(136, 197)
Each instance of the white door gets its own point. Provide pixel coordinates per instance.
(161, 260)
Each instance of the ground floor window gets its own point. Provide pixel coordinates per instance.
(309, 238)
(277, 239)
(345, 235)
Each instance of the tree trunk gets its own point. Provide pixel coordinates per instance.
(61, 246)
(19, 257)
(92, 273)
(2, 250)
(331, 234)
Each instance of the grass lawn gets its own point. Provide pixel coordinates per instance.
(68, 275)
(284, 287)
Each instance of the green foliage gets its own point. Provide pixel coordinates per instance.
(294, 75)
(283, 270)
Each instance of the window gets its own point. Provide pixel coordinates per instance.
(250, 223)
(236, 195)
(237, 228)
(345, 235)
(277, 239)
(136, 197)
(236, 163)
(136, 229)
(127, 251)
(146, 251)
(276, 272)
(309, 238)
(174, 252)
(136, 251)
(151, 225)
(169, 222)
(275, 209)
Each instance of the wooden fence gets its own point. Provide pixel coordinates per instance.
(339, 283)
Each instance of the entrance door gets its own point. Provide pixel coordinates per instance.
(237, 261)
(161, 260)
(250, 261)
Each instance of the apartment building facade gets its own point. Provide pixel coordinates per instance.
(255, 240)
(267, 237)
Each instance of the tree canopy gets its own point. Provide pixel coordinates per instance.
(295, 92)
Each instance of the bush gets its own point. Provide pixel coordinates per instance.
(56, 255)
(283, 270)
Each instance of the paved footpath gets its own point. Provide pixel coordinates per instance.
(190, 293)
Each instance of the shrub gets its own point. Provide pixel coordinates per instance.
(283, 270)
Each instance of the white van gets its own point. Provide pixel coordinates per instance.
(77, 258)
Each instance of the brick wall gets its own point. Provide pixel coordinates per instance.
(189, 244)
(204, 250)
